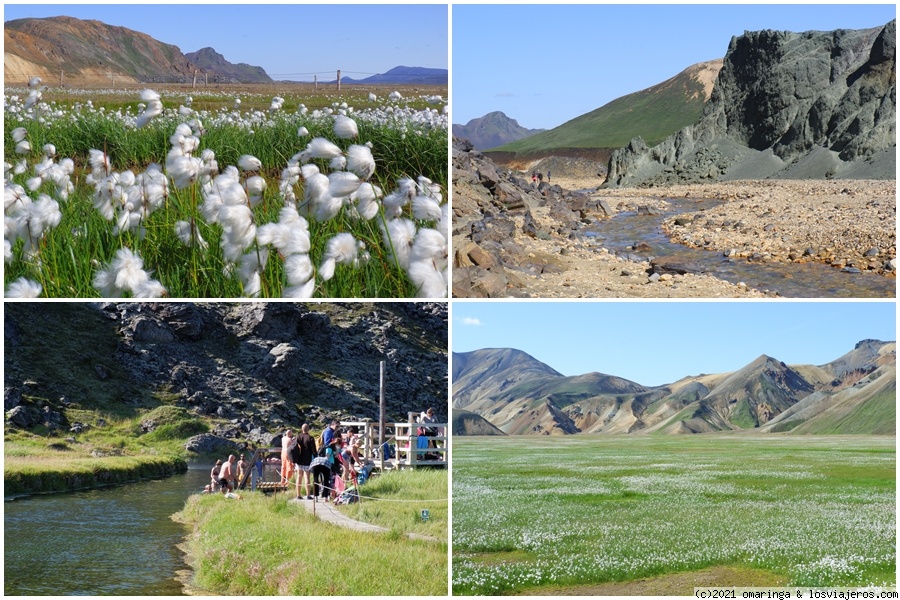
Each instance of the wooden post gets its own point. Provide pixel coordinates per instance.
(381, 416)
(339, 80)
(413, 440)
(194, 80)
(60, 78)
(316, 82)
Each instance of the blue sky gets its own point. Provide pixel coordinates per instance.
(654, 343)
(289, 41)
(546, 64)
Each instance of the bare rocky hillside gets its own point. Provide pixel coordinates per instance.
(249, 368)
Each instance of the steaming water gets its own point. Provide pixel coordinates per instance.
(807, 280)
(111, 541)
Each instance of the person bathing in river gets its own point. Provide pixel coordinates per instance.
(226, 475)
(214, 475)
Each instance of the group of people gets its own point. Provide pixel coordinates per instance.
(537, 177)
(325, 465)
(224, 476)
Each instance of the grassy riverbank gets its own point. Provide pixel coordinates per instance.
(262, 545)
(23, 476)
(39, 461)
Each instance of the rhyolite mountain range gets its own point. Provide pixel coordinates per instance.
(248, 369)
(517, 394)
(90, 52)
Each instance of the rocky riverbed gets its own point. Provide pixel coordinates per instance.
(849, 224)
(515, 240)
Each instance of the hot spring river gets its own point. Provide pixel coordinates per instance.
(790, 280)
(113, 541)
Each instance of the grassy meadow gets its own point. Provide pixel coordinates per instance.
(265, 545)
(100, 203)
(535, 513)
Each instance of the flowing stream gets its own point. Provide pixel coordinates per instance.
(112, 541)
(808, 280)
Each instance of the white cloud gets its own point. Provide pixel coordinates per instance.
(470, 321)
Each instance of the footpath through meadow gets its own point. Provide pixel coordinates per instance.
(327, 512)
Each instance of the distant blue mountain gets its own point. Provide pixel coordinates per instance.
(404, 76)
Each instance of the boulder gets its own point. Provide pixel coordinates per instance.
(672, 264)
(23, 417)
(151, 331)
(12, 397)
(207, 443)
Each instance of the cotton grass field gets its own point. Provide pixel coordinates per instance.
(227, 193)
(533, 513)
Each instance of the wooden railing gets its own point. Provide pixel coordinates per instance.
(411, 450)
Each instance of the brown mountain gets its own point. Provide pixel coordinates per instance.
(91, 52)
(520, 395)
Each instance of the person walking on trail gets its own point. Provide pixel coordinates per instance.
(548, 176)
(287, 442)
(321, 472)
(541, 177)
(303, 453)
(533, 179)
(226, 475)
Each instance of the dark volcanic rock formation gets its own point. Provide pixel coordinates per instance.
(249, 368)
(787, 105)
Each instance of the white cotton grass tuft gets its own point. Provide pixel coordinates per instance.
(429, 282)
(320, 148)
(302, 131)
(342, 183)
(125, 273)
(399, 235)
(426, 208)
(23, 288)
(345, 128)
(360, 161)
(153, 109)
(343, 248)
(189, 235)
(249, 163)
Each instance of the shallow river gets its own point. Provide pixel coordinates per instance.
(789, 280)
(112, 541)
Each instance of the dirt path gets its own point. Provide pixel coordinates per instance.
(328, 513)
(674, 584)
